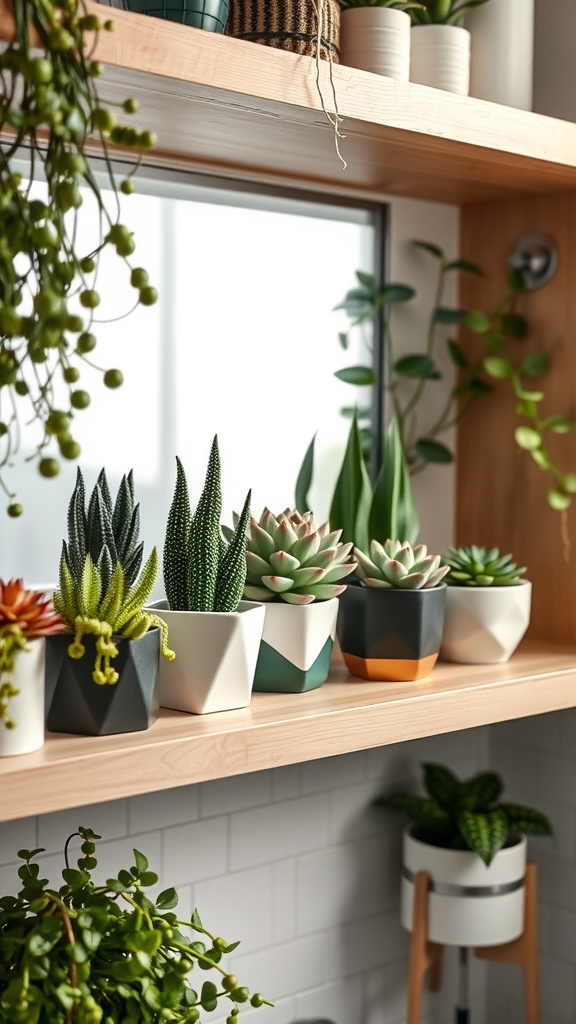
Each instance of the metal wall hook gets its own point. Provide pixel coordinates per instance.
(534, 256)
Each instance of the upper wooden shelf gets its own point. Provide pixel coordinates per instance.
(246, 110)
(277, 729)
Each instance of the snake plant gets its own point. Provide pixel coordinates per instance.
(201, 572)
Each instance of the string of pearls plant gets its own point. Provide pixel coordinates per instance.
(50, 113)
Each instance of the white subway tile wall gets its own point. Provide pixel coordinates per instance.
(297, 864)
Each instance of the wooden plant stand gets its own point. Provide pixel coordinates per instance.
(426, 955)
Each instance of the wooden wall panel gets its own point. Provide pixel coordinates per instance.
(501, 493)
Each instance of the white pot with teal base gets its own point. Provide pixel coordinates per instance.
(296, 646)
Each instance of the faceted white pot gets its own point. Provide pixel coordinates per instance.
(216, 654)
(502, 53)
(440, 57)
(27, 708)
(469, 903)
(296, 646)
(484, 625)
(376, 39)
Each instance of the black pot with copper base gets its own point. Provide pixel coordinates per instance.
(392, 634)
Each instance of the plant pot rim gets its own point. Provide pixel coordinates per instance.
(437, 25)
(463, 587)
(161, 605)
(404, 590)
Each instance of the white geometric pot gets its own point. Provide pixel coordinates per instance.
(502, 52)
(484, 625)
(216, 654)
(440, 57)
(469, 903)
(296, 646)
(27, 708)
(376, 39)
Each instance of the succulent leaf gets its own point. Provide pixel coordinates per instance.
(396, 564)
(232, 569)
(177, 544)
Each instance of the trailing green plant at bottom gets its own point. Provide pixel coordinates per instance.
(107, 954)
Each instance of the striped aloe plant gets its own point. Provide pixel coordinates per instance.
(201, 572)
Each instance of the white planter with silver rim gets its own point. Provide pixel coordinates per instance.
(469, 903)
(484, 625)
(376, 39)
(440, 57)
(216, 654)
(26, 709)
(502, 53)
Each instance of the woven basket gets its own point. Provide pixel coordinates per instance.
(288, 25)
(206, 14)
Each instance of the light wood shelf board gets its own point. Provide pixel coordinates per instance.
(345, 714)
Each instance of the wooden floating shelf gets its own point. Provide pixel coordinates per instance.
(345, 714)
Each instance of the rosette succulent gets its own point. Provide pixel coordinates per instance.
(479, 567)
(290, 558)
(397, 564)
(24, 615)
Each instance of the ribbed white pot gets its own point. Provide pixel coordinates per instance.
(216, 655)
(440, 57)
(469, 903)
(27, 708)
(484, 625)
(502, 53)
(376, 39)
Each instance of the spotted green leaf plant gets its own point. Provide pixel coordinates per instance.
(465, 814)
(202, 572)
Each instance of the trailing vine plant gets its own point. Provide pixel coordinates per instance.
(50, 113)
(499, 358)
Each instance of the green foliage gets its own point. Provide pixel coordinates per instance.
(397, 565)
(443, 12)
(466, 814)
(201, 572)
(290, 558)
(50, 114)
(478, 567)
(107, 954)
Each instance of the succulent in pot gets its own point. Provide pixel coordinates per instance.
(295, 566)
(100, 952)
(390, 627)
(26, 618)
(215, 633)
(101, 597)
(473, 848)
(440, 46)
(487, 605)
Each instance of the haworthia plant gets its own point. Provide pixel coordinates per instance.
(201, 572)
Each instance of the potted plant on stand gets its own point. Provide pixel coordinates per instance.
(440, 46)
(487, 605)
(215, 634)
(375, 36)
(99, 953)
(104, 681)
(27, 617)
(293, 566)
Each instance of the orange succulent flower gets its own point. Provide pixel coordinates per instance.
(28, 612)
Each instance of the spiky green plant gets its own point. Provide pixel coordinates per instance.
(397, 564)
(462, 815)
(201, 572)
(290, 558)
(107, 531)
(479, 567)
(89, 607)
(442, 12)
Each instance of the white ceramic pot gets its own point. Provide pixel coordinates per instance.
(469, 903)
(296, 646)
(27, 708)
(376, 39)
(440, 57)
(502, 52)
(484, 625)
(216, 654)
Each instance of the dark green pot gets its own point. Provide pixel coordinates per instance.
(211, 15)
(75, 703)
(391, 635)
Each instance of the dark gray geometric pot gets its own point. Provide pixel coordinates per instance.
(75, 703)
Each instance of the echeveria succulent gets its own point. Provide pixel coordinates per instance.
(479, 567)
(397, 564)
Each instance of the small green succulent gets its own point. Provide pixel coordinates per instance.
(478, 567)
(442, 12)
(201, 572)
(462, 815)
(397, 564)
(290, 558)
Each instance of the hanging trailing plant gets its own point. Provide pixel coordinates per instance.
(50, 113)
